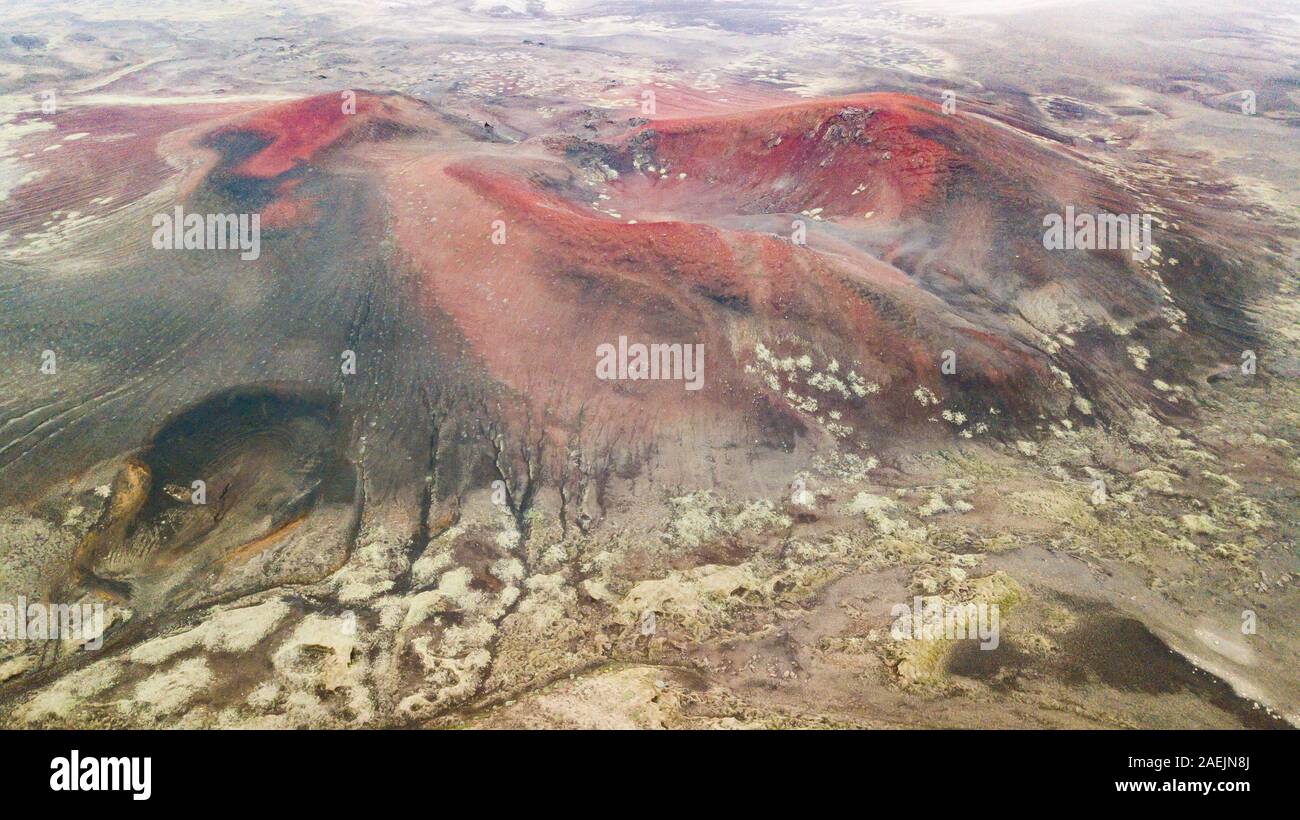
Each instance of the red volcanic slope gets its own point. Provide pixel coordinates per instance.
(569, 278)
(287, 209)
(296, 135)
(567, 281)
(955, 198)
(844, 156)
(296, 131)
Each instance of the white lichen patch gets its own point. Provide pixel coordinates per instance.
(1198, 524)
(877, 509)
(1156, 481)
(809, 390)
(1140, 356)
(1062, 377)
(167, 693)
(232, 630)
(702, 517)
(934, 505)
(64, 696)
(698, 599)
